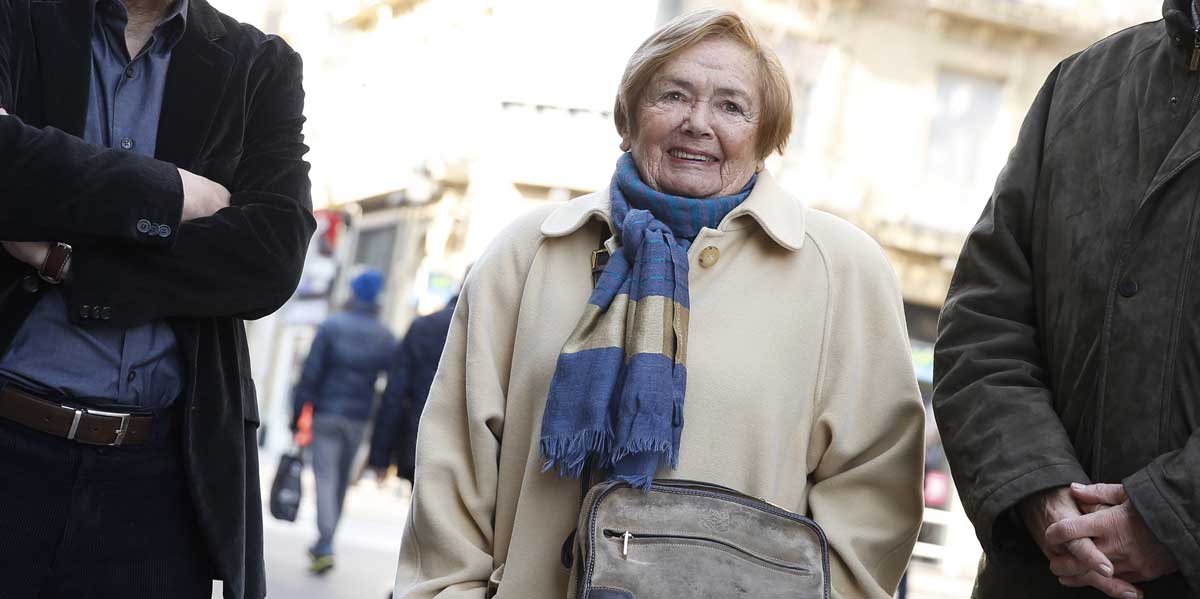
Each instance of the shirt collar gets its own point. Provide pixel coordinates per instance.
(780, 214)
(171, 26)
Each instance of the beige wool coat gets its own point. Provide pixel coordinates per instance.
(800, 390)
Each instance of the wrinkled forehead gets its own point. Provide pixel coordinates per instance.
(714, 66)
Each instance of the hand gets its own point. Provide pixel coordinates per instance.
(32, 253)
(1076, 559)
(1119, 531)
(201, 197)
(380, 476)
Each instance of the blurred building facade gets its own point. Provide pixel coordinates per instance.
(449, 117)
(434, 123)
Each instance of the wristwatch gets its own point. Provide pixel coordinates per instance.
(55, 264)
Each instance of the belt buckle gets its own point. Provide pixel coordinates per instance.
(121, 430)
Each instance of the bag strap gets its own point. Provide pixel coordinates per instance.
(600, 257)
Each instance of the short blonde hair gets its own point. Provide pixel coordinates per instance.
(775, 123)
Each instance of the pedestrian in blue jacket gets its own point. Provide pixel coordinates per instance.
(348, 354)
(410, 376)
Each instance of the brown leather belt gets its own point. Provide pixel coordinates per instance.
(82, 425)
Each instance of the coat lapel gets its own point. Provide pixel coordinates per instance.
(196, 82)
(63, 30)
(1185, 152)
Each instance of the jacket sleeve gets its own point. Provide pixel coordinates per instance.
(312, 374)
(448, 547)
(243, 261)
(54, 184)
(868, 436)
(992, 398)
(392, 406)
(1166, 494)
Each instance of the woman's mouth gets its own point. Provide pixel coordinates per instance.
(691, 156)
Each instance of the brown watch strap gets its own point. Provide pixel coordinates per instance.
(56, 263)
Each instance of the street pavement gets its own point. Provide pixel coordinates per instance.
(367, 542)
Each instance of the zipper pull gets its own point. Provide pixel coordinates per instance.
(625, 544)
(1194, 65)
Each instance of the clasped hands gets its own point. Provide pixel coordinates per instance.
(1094, 537)
(201, 197)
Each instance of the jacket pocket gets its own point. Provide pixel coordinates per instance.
(249, 399)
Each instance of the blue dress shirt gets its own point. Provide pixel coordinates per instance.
(137, 366)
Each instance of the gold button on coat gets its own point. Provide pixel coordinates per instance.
(709, 256)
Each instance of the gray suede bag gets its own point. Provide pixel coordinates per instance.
(695, 540)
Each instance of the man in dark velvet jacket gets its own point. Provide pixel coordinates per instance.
(153, 194)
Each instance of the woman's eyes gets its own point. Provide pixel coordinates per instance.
(725, 106)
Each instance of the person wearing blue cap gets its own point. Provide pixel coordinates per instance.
(347, 355)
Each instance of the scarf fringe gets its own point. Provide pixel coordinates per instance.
(637, 481)
(665, 449)
(568, 455)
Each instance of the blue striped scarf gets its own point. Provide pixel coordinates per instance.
(616, 399)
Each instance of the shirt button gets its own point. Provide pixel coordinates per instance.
(144, 226)
(132, 375)
(1128, 288)
(130, 72)
(709, 256)
(127, 143)
(164, 231)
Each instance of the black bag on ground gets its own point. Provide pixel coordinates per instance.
(285, 490)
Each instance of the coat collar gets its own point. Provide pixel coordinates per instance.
(779, 214)
(1179, 18)
(200, 69)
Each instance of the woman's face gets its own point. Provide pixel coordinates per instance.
(697, 124)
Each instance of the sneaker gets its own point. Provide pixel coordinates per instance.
(319, 564)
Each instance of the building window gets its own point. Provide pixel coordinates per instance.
(966, 111)
(801, 99)
(803, 60)
(375, 248)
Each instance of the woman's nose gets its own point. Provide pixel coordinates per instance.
(698, 121)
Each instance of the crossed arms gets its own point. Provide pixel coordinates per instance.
(235, 252)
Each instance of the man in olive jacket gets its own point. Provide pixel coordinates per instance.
(170, 249)
(1069, 345)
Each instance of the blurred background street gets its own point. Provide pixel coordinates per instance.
(368, 544)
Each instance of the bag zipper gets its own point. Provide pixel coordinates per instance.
(687, 487)
(626, 537)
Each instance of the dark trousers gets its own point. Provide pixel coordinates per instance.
(85, 522)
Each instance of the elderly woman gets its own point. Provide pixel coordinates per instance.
(735, 337)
